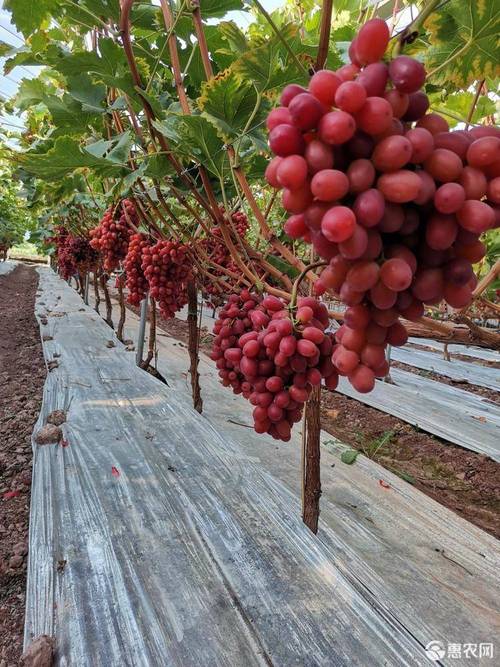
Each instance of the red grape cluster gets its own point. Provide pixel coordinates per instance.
(167, 270)
(218, 252)
(136, 281)
(273, 358)
(385, 192)
(74, 253)
(111, 236)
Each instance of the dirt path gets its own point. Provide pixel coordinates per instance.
(22, 374)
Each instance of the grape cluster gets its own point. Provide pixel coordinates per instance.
(136, 281)
(392, 199)
(111, 236)
(273, 358)
(167, 269)
(74, 254)
(218, 252)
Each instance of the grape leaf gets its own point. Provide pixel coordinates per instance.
(269, 65)
(197, 139)
(28, 15)
(464, 42)
(230, 104)
(217, 8)
(63, 158)
(459, 105)
(89, 94)
(349, 456)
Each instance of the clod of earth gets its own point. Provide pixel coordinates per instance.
(40, 652)
(48, 434)
(57, 417)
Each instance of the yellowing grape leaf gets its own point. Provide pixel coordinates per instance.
(464, 42)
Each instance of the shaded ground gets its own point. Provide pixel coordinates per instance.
(22, 375)
(466, 482)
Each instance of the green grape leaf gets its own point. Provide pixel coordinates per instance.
(30, 92)
(89, 94)
(63, 158)
(234, 36)
(67, 115)
(28, 15)
(197, 139)
(85, 11)
(116, 150)
(217, 8)
(230, 104)
(455, 107)
(269, 65)
(464, 43)
(349, 456)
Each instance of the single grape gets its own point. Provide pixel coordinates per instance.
(375, 116)
(329, 185)
(434, 123)
(323, 85)
(449, 198)
(278, 116)
(286, 140)
(373, 78)
(418, 103)
(392, 153)
(369, 207)
(306, 111)
(318, 156)
(338, 224)
(372, 41)
(396, 274)
(361, 174)
(399, 186)
(336, 127)
(350, 96)
(407, 74)
(476, 216)
(399, 101)
(444, 165)
(292, 172)
(441, 231)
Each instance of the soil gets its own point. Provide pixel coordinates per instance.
(466, 482)
(22, 375)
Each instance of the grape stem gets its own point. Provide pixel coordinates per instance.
(324, 35)
(300, 278)
(474, 103)
(412, 30)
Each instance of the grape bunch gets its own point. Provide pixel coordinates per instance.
(111, 236)
(74, 254)
(218, 252)
(136, 281)
(385, 192)
(273, 357)
(167, 269)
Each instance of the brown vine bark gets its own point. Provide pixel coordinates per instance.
(109, 308)
(121, 322)
(324, 35)
(312, 459)
(97, 296)
(194, 344)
